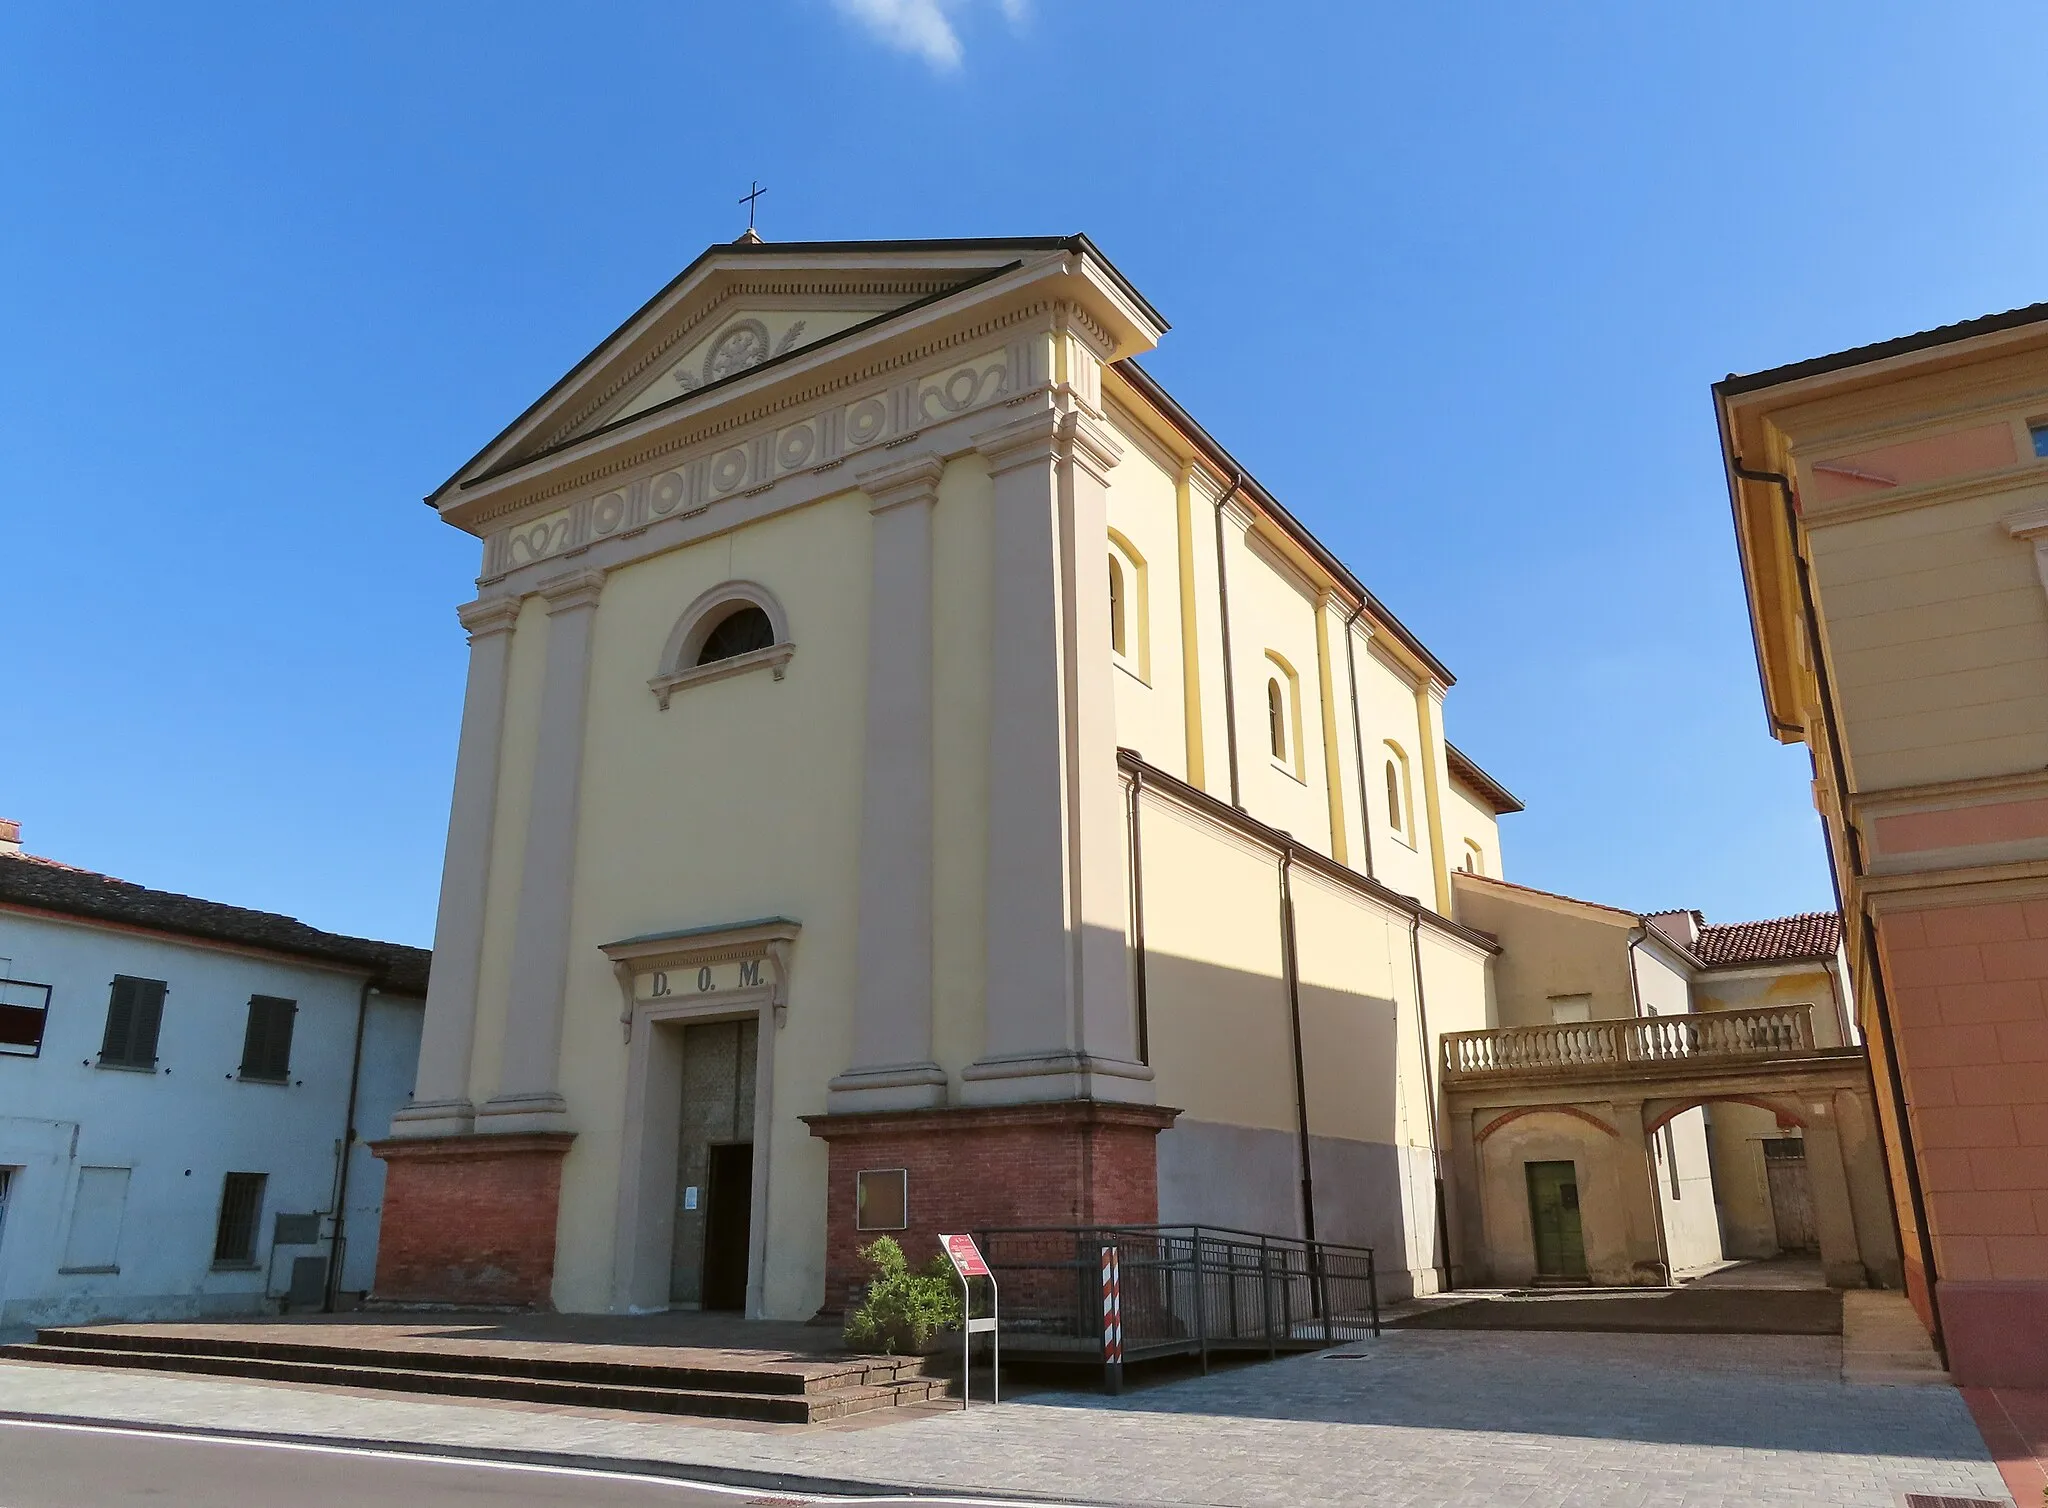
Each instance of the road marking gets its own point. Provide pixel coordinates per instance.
(535, 1468)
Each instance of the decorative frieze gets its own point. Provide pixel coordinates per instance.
(818, 441)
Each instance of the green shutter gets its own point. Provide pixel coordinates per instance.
(120, 1020)
(267, 1042)
(149, 1019)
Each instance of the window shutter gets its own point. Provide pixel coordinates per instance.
(267, 1043)
(120, 1020)
(149, 1020)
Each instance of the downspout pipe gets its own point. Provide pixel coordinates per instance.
(1880, 998)
(1138, 917)
(1290, 963)
(1229, 671)
(1358, 739)
(337, 1244)
(1428, 1051)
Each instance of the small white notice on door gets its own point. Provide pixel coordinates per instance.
(690, 1197)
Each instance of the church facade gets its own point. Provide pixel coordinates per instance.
(912, 778)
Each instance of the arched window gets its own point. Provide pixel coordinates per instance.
(734, 628)
(1394, 802)
(1276, 718)
(739, 632)
(1118, 639)
(1475, 858)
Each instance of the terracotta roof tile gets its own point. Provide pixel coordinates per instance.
(1811, 934)
(47, 885)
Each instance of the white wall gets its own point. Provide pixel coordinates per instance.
(180, 1129)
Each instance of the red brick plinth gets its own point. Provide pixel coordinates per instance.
(1068, 1162)
(469, 1219)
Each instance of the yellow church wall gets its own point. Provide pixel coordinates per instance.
(1273, 639)
(1150, 694)
(1471, 826)
(523, 676)
(963, 563)
(780, 839)
(1387, 714)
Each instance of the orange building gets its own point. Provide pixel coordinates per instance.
(1891, 507)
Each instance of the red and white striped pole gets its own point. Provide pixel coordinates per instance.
(1112, 1322)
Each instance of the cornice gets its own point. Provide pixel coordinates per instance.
(488, 615)
(2029, 473)
(571, 590)
(912, 479)
(671, 432)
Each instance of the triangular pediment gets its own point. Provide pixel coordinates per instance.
(735, 309)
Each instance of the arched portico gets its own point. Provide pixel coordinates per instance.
(1543, 1108)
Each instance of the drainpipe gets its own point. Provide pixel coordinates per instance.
(1428, 1051)
(1358, 740)
(337, 1245)
(1880, 997)
(1229, 673)
(1290, 963)
(1138, 917)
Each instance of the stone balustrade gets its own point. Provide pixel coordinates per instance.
(1777, 1032)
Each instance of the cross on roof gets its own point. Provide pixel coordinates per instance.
(748, 201)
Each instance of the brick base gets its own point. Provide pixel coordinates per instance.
(1996, 1332)
(469, 1219)
(1071, 1162)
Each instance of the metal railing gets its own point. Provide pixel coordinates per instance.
(1186, 1290)
(1780, 1031)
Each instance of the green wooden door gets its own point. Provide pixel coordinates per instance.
(1554, 1215)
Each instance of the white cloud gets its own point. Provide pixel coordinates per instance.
(921, 27)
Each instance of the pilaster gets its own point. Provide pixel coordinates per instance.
(1643, 1248)
(527, 1097)
(1834, 1217)
(1060, 1023)
(892, 1066)
(440, 1103)
(1436, 779)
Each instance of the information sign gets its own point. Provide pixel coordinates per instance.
(965, 1256)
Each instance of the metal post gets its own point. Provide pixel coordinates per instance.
(1266, 1296)
(1112, 1323)
(1372, 1286)
(1201, 1304)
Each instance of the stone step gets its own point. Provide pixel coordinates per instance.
(391, 1374)
(548, 1364)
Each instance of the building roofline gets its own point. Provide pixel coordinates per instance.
(86, 896)
(1150, 389)
(1736, 384)
(1503, 800)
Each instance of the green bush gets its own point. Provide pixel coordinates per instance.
(902, 1310)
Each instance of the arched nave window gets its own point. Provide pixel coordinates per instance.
(1276, 718)
(736, 627)
(1117, 640)
(1130, 635)
(1400, 817)
(1283, 716)
(1474, 861)
(741, 631)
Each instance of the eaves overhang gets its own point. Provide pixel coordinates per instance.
(1467, 773)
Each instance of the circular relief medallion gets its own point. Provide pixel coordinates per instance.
(743, 345)
(666, 492)
(865, 419)
(728, 469)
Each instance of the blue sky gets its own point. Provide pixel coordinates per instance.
(1453, 280)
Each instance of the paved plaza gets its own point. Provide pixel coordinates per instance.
(1417, 1417)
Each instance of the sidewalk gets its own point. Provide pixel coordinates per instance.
(1416, 1417)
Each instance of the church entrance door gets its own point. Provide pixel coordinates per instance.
(714, 1165)
(727, 1225)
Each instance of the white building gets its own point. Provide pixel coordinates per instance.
(178, 1080)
